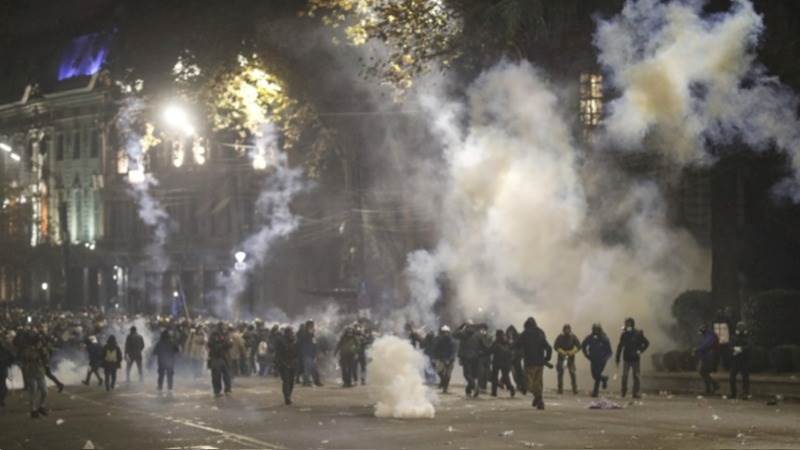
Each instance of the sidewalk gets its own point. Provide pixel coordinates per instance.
(761, 385)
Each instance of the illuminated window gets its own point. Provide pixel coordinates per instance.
(591, 92)
(178, 153)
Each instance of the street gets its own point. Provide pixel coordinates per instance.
(134, 417)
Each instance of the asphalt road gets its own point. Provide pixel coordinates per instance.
(134, 417)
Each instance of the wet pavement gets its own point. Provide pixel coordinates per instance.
(254, 417)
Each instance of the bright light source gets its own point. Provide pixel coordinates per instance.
(136, 176)
(5, 147)
(30, 319)
(175, 294)
(15, 156)
(176, 117)
(45, 286)
(240, 256)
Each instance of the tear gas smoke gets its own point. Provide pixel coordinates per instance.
(525, 232)
(148, 207)
(396, 380)
(274, 212)
(688, 79)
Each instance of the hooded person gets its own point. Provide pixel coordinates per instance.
(166, 352)
(500, 352)
(286, 362)
(516, 360)
(134, 346)
(112, 361)
(632, 344)
(536, 353)
(469, 356)
(95, 352)
(443, 355)
(219, 346)
(741, 345)
(597, 349)
(347, 349)
(706, 355)
(567, 346)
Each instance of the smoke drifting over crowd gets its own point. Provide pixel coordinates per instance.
(520, 235)
(275, 218)
(692, 79)
(396, 379)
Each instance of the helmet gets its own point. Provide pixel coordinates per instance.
(444, 329)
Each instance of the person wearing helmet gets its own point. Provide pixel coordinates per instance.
(632, 344)
(597, 349)
(346, 349)
(740, 360)
(443, 355)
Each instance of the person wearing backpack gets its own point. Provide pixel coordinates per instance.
(112, 361)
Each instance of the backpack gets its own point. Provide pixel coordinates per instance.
(111, 355)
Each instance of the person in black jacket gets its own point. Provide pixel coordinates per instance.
(468, 356)
(632, 344)
(6, 359)
(112, 361)
(706, 354)
(286, 362)
(443, 354)
(597, 349)
(134, 345)
(95, 352)
(567, 346)
(740, 360)
(536, 353)
(218, 346)
(165, 352)
(516, 360)
(500, 352)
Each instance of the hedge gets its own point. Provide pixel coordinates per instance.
(772, 317)
(691, 309)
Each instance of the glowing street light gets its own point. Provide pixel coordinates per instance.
(240, 257)
(177, 117)
(15, 156)
(45, 286)
(5, 147)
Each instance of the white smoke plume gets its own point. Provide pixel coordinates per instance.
(397, 382)
(524, 232)
(273, 211)
(421, 277)
(687, 79)
(149, 208)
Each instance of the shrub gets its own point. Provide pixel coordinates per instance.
(772, 317)
(691, 309)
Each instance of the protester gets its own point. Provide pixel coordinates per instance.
(286, 362)
(165, 352)
(6, 360)
(347, 349)
(307, 344)
(112, 361)
(516, 361)
(219, 346)
(706, 355)
(365, 340)
(443, 355)
(500, 352)
(32, 361)
(632, 344)
(597, 349)
(567, 346)
(468, 356)
(134, 346)
(95, 353)
(740, 360)
(196, 350)
(536, 353)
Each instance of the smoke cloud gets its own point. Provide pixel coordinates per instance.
(140, 183)
(396, 380)
(525, 232)
(272, 210)
(689, 79)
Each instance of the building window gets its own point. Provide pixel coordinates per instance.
(591, 93)
(60, 147)
(76, 145)
(94, 150)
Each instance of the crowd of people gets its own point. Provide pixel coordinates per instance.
(509, 360)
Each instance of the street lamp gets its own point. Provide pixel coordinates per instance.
(14, 156)
(240, 257)
(177, 117)
(5, 147)
(45, 286)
